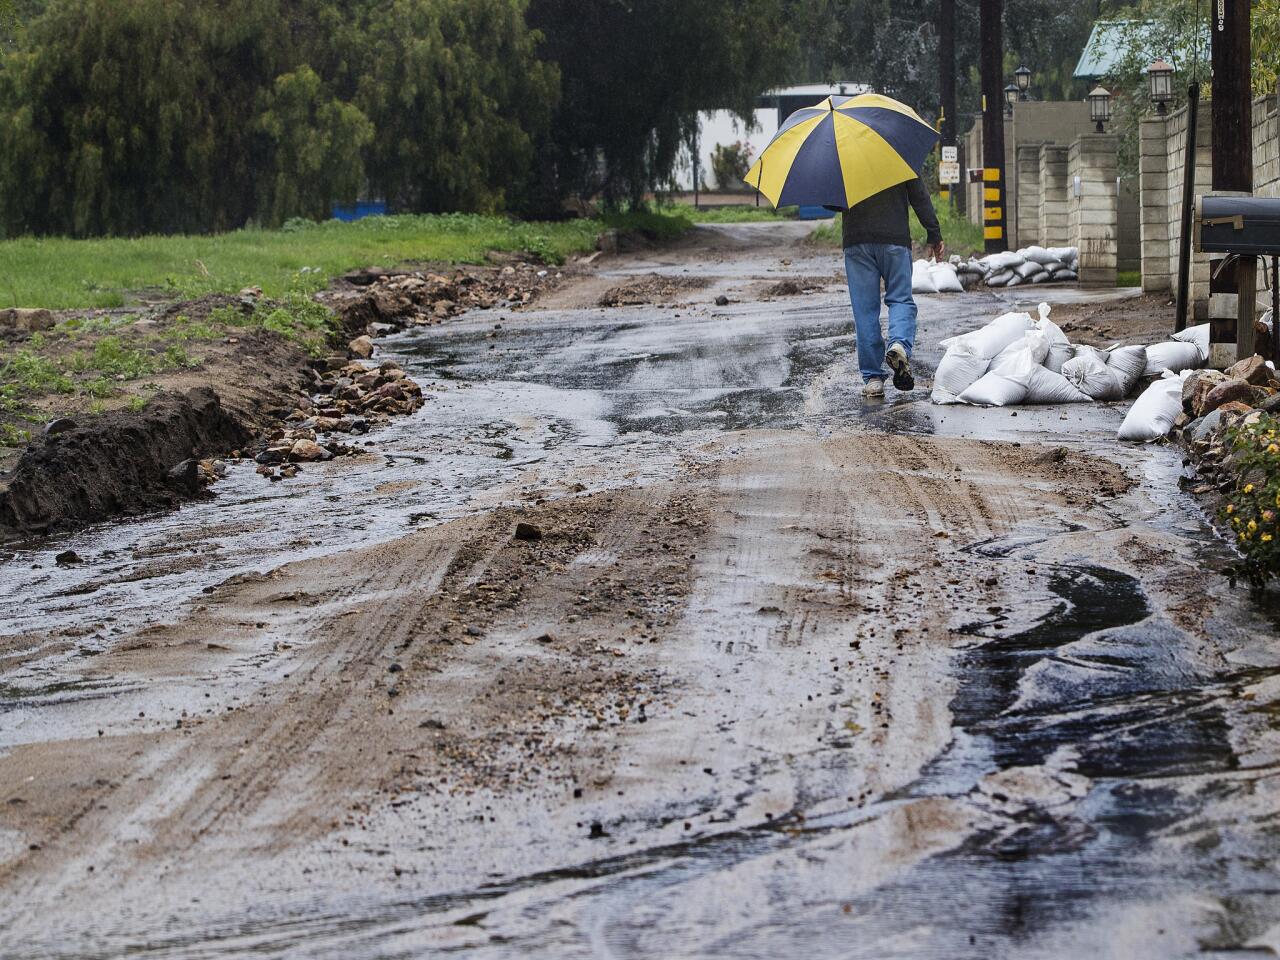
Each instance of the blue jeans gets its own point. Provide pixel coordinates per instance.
(866, 264)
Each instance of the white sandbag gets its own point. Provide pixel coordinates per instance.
(995, 390)
(1064, 274)
(1094, 378)
(1054, 265)
(1042, 277)
(1129, 363)
(1015, 281)
(1199, 335)
(1081, 349)
(945, 279)
(1068, 255)
(1152, 414)
(1028, 269)
(989, 340)
(1038, 255)
(921, 278)
(960, 368)
(999, 278)
(1045, 386)
(1003, 261)
(1059, 346)
(1018, 357)
(1174, 356)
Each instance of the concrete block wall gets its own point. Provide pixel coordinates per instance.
(1153, 204)
(1128, 227)
(1053, 208)
(1176, 145)
(1027, 231)
(1093, 206)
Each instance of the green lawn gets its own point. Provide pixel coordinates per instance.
(64, 274)
(958, 233)
(734, 214)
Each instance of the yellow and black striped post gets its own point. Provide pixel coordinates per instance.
(993, 223)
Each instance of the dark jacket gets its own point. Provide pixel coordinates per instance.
(882, 218)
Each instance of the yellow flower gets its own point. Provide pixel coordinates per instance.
(1253, 525)
(1273, 449)
(1235, 522)
(1266, 538)
(1248, 488)
(1231, 508)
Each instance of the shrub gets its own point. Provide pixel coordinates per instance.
(730, 163)
(1253, 508)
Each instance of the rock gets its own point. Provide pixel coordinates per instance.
(1270, 405)
(527, 531)
(60, 425)
(290, 470)
(1206, 426)
(1233, 409)
(1231, 391)
(68, 557)
(273, 455)
(186, 475)
(1196, 387)
(308, 451)
(361, 347)
(1253, 370)
(722, 301)
(23, 320)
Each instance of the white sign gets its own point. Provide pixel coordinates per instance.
(950, 154)
(949, 171)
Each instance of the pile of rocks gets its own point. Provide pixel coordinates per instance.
(348, 397)
(1212, 401)
(382, 301)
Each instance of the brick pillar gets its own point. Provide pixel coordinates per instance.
(1153, 202)
(1027, 228)
(1093, 207)
(1052, 227)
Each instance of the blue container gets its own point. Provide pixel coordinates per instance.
(815, 213)
(359, 210)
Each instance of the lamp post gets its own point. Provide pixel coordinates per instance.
(1160, 85)
(1099, 107)
(1010, 98)
(1022, 76)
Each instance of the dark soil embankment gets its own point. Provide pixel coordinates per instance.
(122, 463)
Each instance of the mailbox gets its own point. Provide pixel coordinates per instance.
(1244, 225)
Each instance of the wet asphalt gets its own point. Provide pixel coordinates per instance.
(1152, 764)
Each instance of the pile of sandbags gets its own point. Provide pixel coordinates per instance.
(1187, 350)
(929, 276)
(1013, 359)
(1016, 267)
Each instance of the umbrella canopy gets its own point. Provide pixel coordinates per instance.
(842, 151)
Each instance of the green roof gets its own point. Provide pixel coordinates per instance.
(1109, 42)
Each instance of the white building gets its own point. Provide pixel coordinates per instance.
(723, 127)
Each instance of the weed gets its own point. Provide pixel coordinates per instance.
(34, 374)
(11, 436)
(1253, 510)
(135, 404)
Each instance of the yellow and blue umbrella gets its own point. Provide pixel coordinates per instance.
(842, 151)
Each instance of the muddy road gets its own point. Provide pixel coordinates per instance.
(648, 636)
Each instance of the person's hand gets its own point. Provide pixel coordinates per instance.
(936, 251)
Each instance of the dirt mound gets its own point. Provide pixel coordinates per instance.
(653, 288)
(121, 463)
(396, 300)
(796, 286)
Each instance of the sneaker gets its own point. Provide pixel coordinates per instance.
(873, 388)
(896, 358)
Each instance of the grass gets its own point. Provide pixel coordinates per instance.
(1129, 278)
(958, 233)
(302, 256)
(734, 214)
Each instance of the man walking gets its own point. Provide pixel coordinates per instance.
(877, 247)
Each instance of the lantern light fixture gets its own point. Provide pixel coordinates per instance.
(1010, 97)
(1022, 76)
(1160, 85)
(1099, 107)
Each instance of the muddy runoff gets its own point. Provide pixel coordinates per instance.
(648, 637)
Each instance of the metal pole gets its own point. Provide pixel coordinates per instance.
(995, 238)
(947, 84)
(1188, 205)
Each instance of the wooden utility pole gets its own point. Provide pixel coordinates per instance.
(1232, 105)
(947, 83)
(993, 174)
